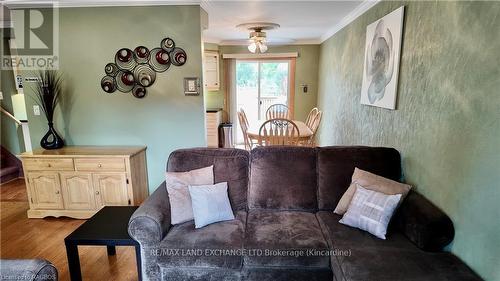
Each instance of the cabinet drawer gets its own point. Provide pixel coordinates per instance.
(212, 121)
(100, 164)
(212, 117)
(212, 141)
(48, 164)
(212, 132)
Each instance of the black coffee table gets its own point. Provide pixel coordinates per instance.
(108, 227)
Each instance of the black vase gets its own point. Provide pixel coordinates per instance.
(51, 140)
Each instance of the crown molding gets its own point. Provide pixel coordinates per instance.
(241, 43)
(260, 56)
(13, 4)
(354, 14)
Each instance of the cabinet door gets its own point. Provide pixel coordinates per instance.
(78, 191)
(211, 70)
(111, 189)
(45, 190)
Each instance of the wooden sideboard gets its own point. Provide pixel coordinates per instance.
(77, 181)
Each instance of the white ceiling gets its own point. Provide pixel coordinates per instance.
(302, 22)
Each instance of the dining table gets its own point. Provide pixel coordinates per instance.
(304, 131)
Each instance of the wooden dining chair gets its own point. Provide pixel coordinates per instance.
(278, 111)
(311, 117)
(314, 128)
(242, 118)
(278, 131)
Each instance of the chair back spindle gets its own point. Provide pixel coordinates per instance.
(278, 111)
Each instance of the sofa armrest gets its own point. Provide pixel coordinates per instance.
(424, 224)
(151, 221)
(27, 269)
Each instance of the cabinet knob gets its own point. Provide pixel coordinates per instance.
(48, 165)
(97, 192)
(99, 165)
(57, 191)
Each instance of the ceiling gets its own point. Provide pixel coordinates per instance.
(302, 22)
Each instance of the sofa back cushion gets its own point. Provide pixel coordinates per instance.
(283, 178)
(230, 165)
(336, 165)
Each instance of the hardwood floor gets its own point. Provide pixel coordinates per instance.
(44, 238)
(14, 190)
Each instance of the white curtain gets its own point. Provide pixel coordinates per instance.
(230, 68)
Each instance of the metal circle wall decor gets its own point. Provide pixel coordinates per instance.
(139, 91)
(124, 58)
(141, 54)
(178, 56)
(111, 69)
(134, 71)
(108, 84)
(144, 75)
(160, 60)
(167, 44)
(125, 81)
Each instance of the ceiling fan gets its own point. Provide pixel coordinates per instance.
(258, 38)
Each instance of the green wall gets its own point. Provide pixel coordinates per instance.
(11, 134)
(446, 125)
(306, 72)
(164, 120)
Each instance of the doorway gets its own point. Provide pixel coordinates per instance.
(260, 84)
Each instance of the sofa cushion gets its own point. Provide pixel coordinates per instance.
(343, 238)
(282, 239)
(230, 165)
(283, 178)
(286, 274)
(395, 265)
(185, 246)
(336, 165)
(199, 274)
(362, 256)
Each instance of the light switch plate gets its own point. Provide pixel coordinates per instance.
(1, 96)
(36, 110)
(191, 86)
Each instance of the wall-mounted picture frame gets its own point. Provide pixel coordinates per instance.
(381, 65)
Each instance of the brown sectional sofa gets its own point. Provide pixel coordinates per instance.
(285, 229)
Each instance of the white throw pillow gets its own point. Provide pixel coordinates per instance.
(178, 192)
(371, 211)
(210, 204)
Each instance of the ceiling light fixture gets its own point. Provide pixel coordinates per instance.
(257, 37)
